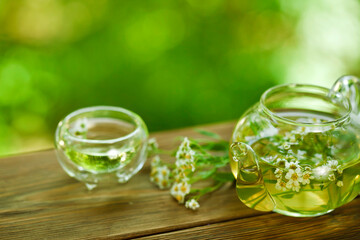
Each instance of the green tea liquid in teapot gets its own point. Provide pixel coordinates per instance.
(297, 152)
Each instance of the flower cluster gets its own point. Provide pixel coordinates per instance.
(152, 146)
(160, 173)
(185, 156)
(180, 190)
(331, 171)
(185, 162)
(187, 170)
(290, 175)
(307, 145)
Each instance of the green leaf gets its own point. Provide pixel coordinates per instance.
(213, 161)
(287, 196)
(202, 175)
(216, 146)
(224, 177)
(254, 127)
(208, 134)
(206, 174)
(269, 181)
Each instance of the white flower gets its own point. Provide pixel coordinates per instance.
(152, 141)
(332, 177)
(316, 120)
(152, 145)
(306, 176)
(290, 137)
(185, 156)
(269, 132)
(160, 175)
(333, 164)
(290, 157)
(294, 177)
(280, 185)
(180, 175)
(155, 161)
(113, 154)
(278, 173)
(180, 162)
(184, 147)
(270, 158)
(301, 153)
(318, 156)
(340, 183)
(301, 130)
(293, 185)
(123, 156)
(281, 162)
(249, 138)
(333, 149)
(322, 172)
(192, 204)
(179, 191)
(307, 168)
(184, 164)
(286, 146)
(292, 165)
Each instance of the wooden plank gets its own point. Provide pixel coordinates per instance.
(343, 223)
(38, 200)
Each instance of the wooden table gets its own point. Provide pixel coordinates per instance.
(39, 201)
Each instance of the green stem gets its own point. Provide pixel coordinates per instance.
(259, 201)
(204, 191)
(261, 196)
(302, 190)
(311, 190)
(282, 193)
(348, 195)
(330, 203)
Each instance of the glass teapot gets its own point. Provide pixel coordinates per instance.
(297, 151)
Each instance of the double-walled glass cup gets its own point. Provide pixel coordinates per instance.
(101, 144)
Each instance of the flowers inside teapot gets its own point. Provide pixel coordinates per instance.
(296, 152)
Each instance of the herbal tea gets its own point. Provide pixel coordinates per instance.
(307, 171)
(103, 157)
(102, 144)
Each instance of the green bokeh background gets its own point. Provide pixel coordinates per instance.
(175, 63)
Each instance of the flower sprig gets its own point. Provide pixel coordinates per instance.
(196, 160)
(301, 156)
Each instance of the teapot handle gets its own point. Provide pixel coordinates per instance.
(250, 185)
(349, 87)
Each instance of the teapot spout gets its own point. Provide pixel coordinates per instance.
(250, 185)
(349, 87)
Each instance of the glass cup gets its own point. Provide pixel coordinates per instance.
(101, 144)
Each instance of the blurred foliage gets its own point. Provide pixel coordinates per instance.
(175, 63)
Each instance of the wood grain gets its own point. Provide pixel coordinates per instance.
(38, 200)
(343, 223)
